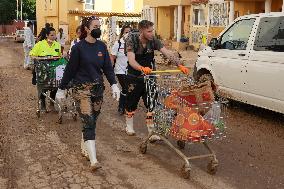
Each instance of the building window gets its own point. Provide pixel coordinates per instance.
(218, 14)
(90, 5)
(199, 17)
(129, 5)
(50, 3)
(45, 5)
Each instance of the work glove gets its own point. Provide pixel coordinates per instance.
(115, 92)
(145, 70)
(183, 69)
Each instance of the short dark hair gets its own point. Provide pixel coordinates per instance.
(78, 29)
(48, 30)
(29, 24)
(47, 25)
(144, 24)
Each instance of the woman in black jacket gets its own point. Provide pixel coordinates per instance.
(89, 60)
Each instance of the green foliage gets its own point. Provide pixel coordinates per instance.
(8, 10)
(29, 9)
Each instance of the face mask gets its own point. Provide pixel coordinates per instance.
(49, 40)
(96, 33)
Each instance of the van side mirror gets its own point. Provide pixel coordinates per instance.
(214, 43)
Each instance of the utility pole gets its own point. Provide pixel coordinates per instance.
(17, 9)
(21, 9)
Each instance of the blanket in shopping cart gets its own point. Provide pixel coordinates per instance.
(189, 125)
(50, 71)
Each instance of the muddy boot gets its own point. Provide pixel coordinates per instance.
(42, 105)
(91, 148)
(150, 126)
(84, 151)
(129, 125)
(153, 138)
(121, 106)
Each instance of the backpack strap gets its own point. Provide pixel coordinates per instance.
(119, 45)
(135, 38)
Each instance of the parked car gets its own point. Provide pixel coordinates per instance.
(246, 61)
(20, 36)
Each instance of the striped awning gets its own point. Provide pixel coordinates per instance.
(103, 14)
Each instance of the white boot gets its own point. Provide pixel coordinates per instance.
(84, 151)
(91, 148)
(129, 126)
(153, 138)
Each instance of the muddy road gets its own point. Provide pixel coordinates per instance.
(39, 153)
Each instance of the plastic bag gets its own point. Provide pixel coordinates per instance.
(214, 114)
(60, 99)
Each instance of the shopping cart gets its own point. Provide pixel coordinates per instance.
(49, 72)
(186, 112)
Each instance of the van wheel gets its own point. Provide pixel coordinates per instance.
(209, 77)
(205, 77)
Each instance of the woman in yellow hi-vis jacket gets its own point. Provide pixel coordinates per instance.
(47, 47)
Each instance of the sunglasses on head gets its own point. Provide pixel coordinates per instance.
(92, 18)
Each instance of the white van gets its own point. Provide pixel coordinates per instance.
(246, 61)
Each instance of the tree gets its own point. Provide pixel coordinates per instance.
(29, 9)
(7, 11)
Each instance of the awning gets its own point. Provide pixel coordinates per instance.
(128, 19)
(103, 14)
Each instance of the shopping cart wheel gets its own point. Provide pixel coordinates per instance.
(181, 144)
(143, 148)
(212, 167)
(60, 120)
(38, 113)
(185, 171)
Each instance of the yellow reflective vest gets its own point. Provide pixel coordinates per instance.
(42, 48)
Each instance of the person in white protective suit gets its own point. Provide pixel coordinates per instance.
(28, 44)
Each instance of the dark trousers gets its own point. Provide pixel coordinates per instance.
(122, 81)
(89, 99)
(52, 95)
(136, 88)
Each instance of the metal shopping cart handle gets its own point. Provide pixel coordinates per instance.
(46, 57)
(166, 71)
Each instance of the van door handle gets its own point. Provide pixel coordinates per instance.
(242, 54)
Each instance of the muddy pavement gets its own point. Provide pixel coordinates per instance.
(39, 153)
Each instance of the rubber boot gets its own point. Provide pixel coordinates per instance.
(151, 127)
(129, 125)
(84, 151)
(91, 148)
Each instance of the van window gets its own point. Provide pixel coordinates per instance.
(270, 34)
(237, 36)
